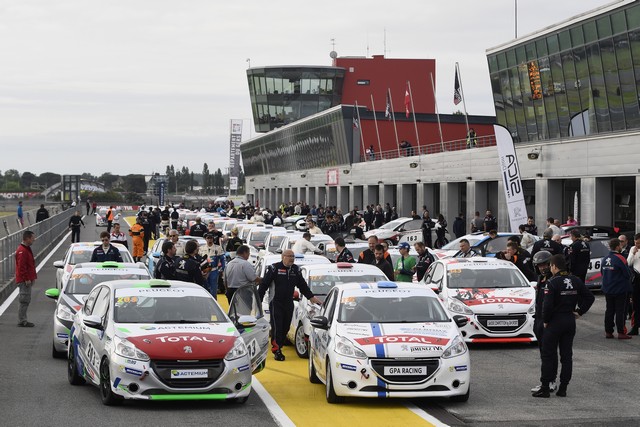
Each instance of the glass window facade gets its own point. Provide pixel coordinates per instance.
(321, 141)
(583, 79)
(282, 95)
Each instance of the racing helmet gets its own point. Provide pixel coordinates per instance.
(301, 225)
(541, 257)
(277, 221)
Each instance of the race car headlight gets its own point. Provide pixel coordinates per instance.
(126, 349)
(456, 348)
(457, 307)
(345, 347)
(64, 313)
(237, 351)
(532, 309)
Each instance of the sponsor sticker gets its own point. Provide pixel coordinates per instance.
(348, 367)
(62, 336)
(402, 339)
(243, 368)
(460, 368)
(135, 372)
(189, 373)
(405, 370)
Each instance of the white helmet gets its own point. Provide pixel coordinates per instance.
(301, 225)
(277, 221)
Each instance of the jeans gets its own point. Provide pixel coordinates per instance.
(24, 298)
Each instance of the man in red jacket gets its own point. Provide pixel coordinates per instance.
(25, 276)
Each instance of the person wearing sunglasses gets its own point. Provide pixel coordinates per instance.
(106, 251)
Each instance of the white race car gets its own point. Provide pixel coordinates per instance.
(166, 340)
(388, 339)
(321, 279)
(493, 294)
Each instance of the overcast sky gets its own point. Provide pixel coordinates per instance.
(129, 86)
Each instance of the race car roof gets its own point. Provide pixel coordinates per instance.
(109, 267)
(343, 268)
(476, 262)
(385, 287)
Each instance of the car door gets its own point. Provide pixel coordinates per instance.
(437, 280)
(85, 334)
(322, 337)
(491, 247)
(245, 302)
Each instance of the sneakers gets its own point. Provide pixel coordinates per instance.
(543, 392)
(562, 391)
(278, 355)
(608, 335)
(26, 324)
(624, 337)
(552, 387)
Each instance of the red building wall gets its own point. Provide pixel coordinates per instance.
(385, 73)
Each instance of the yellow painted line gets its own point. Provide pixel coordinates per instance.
(306, 405)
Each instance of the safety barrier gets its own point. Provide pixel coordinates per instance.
(47, 232)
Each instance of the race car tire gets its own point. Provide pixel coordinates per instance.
(72, 368)
(461, 398)
(313, 377)
(109, 398)
(332, 397)
(57, 354)
(302, 342)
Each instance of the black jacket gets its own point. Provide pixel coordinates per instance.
(579, 257)
(112, 254)
(165, 268)
(386, 268)
(75, 221)
(423, 264)
(197, 230)
(42, 214)
(188, 270)
(281, 282)
(548, 245)
(345, 256)
(459, 227)
(564, 292)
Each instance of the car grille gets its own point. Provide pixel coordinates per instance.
(486, 320)
(163, 369)
(378, 366)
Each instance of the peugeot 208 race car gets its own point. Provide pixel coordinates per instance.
(387, 339)
(166, 340)
(493, 294)
(83, 278)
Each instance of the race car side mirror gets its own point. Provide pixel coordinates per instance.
(461, 321)
(93, 322)
(58, 264)
(53, 293)
(320, 322)
(246, 321)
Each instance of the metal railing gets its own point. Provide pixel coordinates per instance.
(431, 148)
(47, 232)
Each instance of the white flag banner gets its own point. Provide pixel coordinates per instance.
(513, 191)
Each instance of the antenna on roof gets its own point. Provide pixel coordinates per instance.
(333, 43)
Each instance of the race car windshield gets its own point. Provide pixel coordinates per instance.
(322, 284)
(84, 255)
(486, 278)
(275, 243)
(392, 309)
(258, 237)
(166, 309)
(391, 225)
(455, 244)
(83, 283)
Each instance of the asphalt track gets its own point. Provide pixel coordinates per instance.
(34, 389)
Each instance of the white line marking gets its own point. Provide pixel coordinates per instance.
(276, 411)
(14, 294)
(425, 415)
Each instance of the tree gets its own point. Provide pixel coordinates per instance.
(134, 183)
(27, 178)
(218, 182)
(206, 179)
(87, 175)
(49, 178)
(171, 175)
(108, 180)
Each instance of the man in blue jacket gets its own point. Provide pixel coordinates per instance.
(616, 285)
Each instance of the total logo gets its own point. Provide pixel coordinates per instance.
(183, 338)
(497, 300)
(410, 339)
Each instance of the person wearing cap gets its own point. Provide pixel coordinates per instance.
(547, 244)
(405, 264)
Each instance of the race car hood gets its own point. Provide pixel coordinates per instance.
(380, 233)
(185, 342)
(492, 300)
(400, 339)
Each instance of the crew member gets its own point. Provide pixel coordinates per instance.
(106, 251)
(214, 255)
(233, 243)
(189, 267)
(566, 299)
(579, 256)
(616, 285)
(282, 279)
(381, 262)
(511, 254)
(198, 229)
(42, 214)
(74, 224)
(425, 259)
(405, 265)
(166, 266)
(304, 245)
(174, 219)
(136, 231)
(344, 254)
(427, 225)
(368, 255)
(118, 236)
(109, 219)
(239, 272)
(634, 264)
(547, 244)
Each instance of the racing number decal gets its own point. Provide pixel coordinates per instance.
(412, 238)
(92, 356)
(253, 348)
(597, 266)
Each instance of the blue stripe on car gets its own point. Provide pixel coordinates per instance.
(377, 332)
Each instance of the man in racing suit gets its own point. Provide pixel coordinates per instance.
(425, 259)
(281, 279)
(579, 256)
(188, 268)
(541, 264)
(565, 299)
(166, 265)
(106, 251)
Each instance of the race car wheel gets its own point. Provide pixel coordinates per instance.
(302, 342)
(461, 398)
(332, 397)
(72, 368)
(107, 395)
(313, 377)
(57, 354)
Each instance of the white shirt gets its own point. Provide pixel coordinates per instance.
(556, 229)
(527, 240)
(314, 230)
(634, 259)
(303, 246)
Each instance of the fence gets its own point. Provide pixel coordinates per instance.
(47, 232)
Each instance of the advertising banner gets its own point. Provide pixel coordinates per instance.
(510, 170)
(234, 147)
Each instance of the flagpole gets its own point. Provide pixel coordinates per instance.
(435, 101)
(373, 106)
(415, 125)
(364, 151)
(464, 102)
(393, 116)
